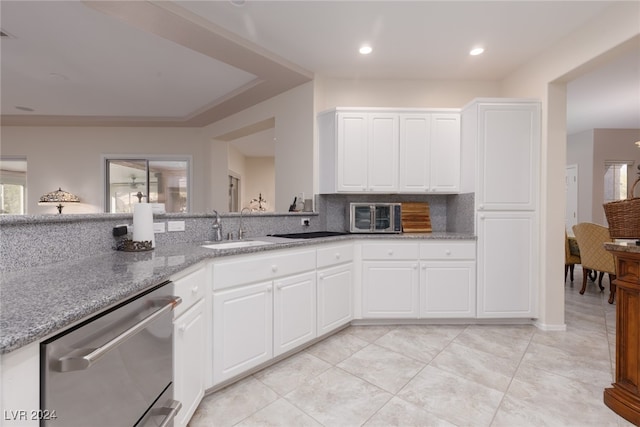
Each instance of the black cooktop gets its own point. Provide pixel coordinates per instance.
(311, 234)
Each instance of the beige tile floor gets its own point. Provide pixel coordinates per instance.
(457, 375)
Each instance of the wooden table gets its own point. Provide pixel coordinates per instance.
(624, 395)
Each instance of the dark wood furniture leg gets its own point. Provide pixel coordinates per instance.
(585, 273)
(612, 288)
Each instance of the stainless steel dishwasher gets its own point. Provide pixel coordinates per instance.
(115, 369)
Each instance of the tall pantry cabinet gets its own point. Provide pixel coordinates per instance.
(501, 164)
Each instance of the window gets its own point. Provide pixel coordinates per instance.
(13, 186)
(153, 180)
(615, 180)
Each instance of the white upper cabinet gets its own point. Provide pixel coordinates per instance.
(445, 153)
(352, 152)
(415, 136)
(390, 151)
(382, 168)
(508, 149)
(367, 147)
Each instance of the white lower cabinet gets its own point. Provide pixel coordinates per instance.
(294, 312)
(443, 287)
(507, 273)
(335, 278)
(390, 289)
(20, 386)
(447, 289)
(190, 343)
(448, 279)
(390, 280)
(242, 329)
(189, 361)
(335, 301)
(255, 319)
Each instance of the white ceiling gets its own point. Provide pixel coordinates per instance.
(189, 63)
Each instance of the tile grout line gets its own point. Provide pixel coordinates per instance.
(515, 372)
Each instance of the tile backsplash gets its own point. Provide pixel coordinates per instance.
(450, 213)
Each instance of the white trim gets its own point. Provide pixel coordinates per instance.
(550, 327)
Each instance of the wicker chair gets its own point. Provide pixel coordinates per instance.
(571, 256)
(594, 257)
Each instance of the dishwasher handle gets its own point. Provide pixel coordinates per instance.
(170, 411)
(83, 359)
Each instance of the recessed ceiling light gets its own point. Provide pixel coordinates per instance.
(476, 51)
(58, 76)
(365, 50)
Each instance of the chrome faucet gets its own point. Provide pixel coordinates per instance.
(240, 230)
(217, 227)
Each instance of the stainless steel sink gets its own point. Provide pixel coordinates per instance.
(235, 244)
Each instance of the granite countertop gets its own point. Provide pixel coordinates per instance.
(629, 246)
(39, 302)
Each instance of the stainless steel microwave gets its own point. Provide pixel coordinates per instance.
(375, 217)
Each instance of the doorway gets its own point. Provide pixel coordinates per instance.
(234, 193)
(571, 192)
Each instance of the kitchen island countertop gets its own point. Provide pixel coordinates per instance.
(626, 246)
(39, 302)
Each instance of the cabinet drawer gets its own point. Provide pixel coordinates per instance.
(335, 254)
(191, 288)
(390, 251)
(448, 250)
(245, 270)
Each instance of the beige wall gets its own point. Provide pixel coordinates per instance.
(544, 77)
(580, 153)
(332, 93)
(72, 158)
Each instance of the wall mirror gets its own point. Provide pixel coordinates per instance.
(251, 166)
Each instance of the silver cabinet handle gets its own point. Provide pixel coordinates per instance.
(372, 218)
(78, 361)
(171, 412)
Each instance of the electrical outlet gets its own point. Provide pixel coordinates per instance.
(305, 221)
(175, 226)
(159, 227)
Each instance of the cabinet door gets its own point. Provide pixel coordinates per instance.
(507, 259)
(508, 156)
(189, 361)
(448, 289)
(390, 289)
(335, 301)
(445, 153)
(382, 175)
(242, 329)
(294, 312)
(352, 152)
(415, 131)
